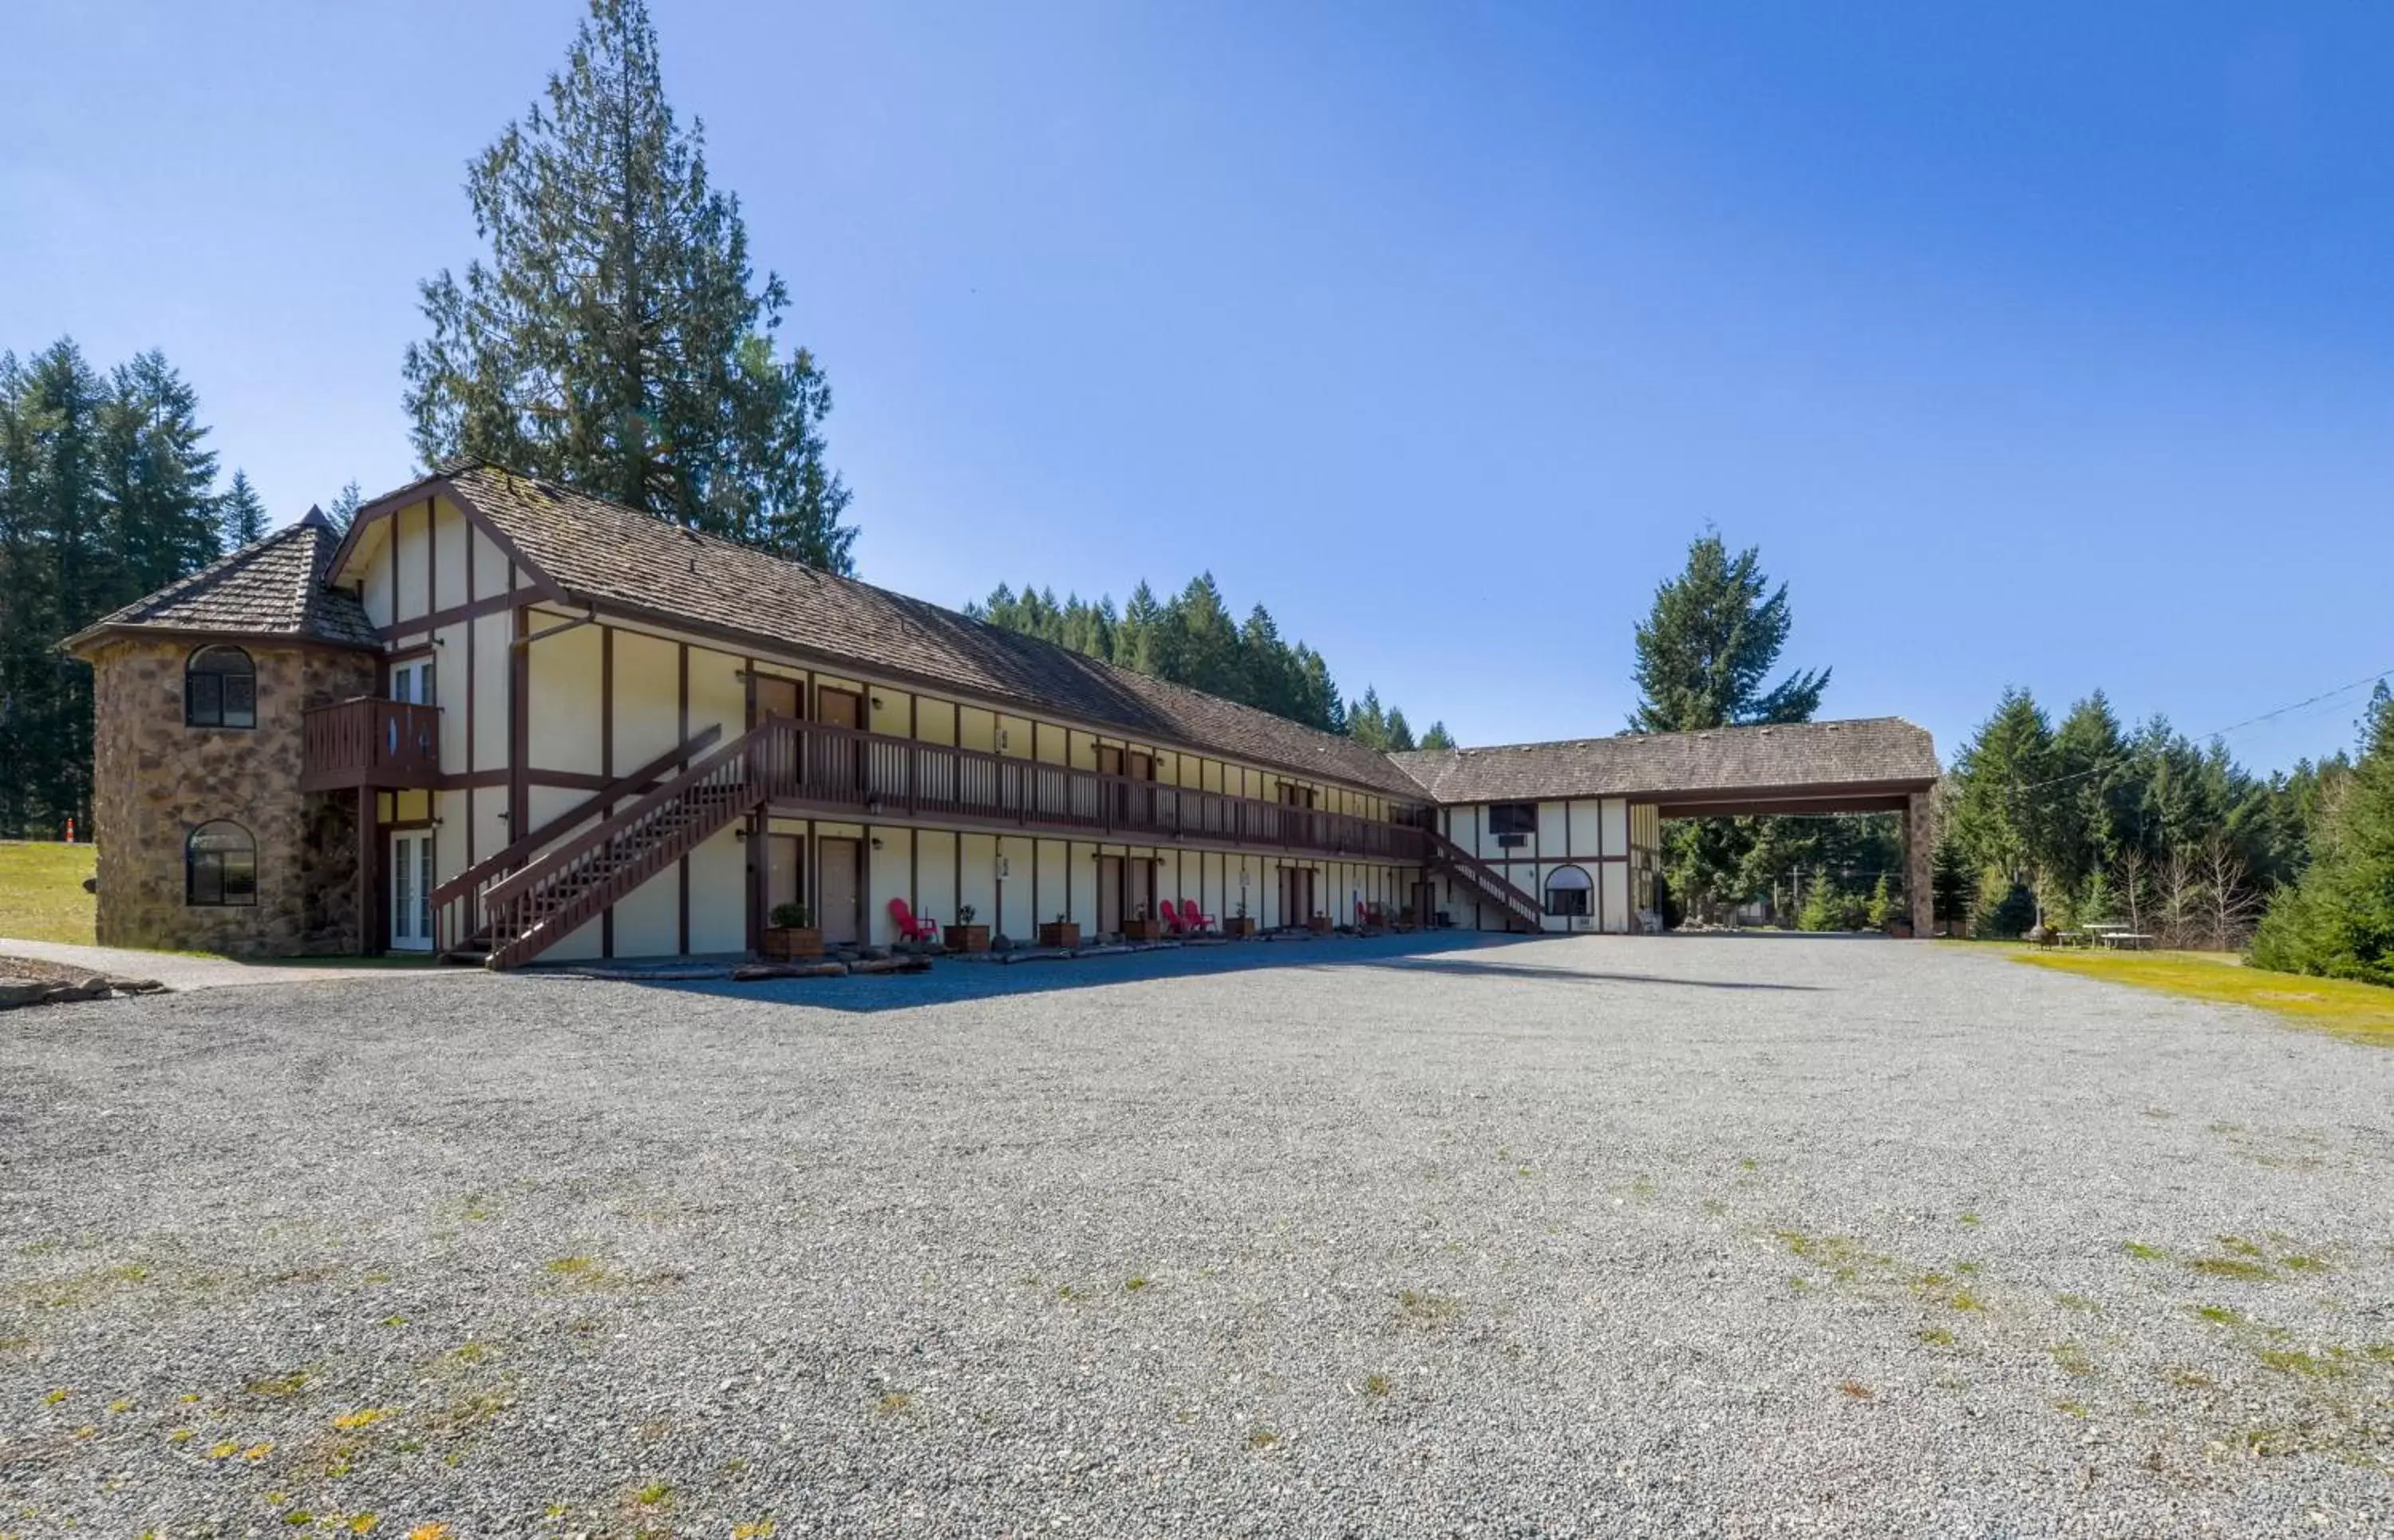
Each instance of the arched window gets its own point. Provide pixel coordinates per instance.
(1568, 890)
(220, 865)
(219, 689)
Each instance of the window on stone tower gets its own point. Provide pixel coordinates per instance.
(220, 866)
(219, 689)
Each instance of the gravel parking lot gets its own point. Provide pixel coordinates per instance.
(1570, 1236)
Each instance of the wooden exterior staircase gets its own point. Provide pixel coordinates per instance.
(1521, 911)
(461, 924)
(566, 888)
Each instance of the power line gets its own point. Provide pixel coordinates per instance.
(2233, 727)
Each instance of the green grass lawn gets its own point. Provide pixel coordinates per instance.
(2363, 1012)
(41, 891)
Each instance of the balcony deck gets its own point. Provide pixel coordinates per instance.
(369, 742)
(813, 768)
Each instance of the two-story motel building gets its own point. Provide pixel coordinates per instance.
(498, 717)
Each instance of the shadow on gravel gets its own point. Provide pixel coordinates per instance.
(1570, 975)
(957, 982)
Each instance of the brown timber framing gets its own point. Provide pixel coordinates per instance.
(792, 655)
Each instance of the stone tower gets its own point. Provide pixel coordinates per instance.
(200, 695)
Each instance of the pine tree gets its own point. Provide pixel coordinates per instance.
(156, 480)
(1435, 736)
(1703, 654)
(1714, 636)
(1190, 640)
(1996, 812)
(241, 512)
(615, 340)
(105, 494)
(344, 505)
(2337, 921)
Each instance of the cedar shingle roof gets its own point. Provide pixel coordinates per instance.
(1872, 751)
(602, 551)
(272, 587)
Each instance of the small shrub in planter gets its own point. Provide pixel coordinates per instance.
(964, 935)
(1319, 925)
(790, 932)
(1140, 927)
(1059, 932)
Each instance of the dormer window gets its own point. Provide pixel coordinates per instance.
(219, 689)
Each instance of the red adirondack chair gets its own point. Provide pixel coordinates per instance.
(1170, 921)
(1190, 920)
(908, 927)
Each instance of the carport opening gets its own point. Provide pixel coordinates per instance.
(1821, 871)
(1838, 856)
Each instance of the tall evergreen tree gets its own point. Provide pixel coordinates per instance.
(1705, 656)
(241, 512)
(1997, 812)
(2338, 919)
(1713, 638)
(105, 494)
(615, 340)
(344, 505)
(156, 480)
(1435, 736)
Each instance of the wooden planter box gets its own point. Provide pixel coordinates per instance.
(1319, 925)
(968, 938)
(1239, 925)
(783, 942)
(1900, 929)
(1142, 930)
(1063, 933)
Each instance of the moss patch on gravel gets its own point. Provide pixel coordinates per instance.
(2363, 1012)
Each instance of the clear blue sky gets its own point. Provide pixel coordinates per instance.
(2033, 344)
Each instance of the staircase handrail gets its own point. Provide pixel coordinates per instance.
(489, 866)
(607, 829)
(1486, 876)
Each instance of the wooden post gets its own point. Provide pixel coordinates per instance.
(366, 947)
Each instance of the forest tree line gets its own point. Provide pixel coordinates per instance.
(1191, 639)
(2092, 821)
(108, 492)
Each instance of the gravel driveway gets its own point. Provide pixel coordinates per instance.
(1570, 1236)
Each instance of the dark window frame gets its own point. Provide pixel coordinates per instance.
(1583, 905)
(1512, 818)
(220, 875)
(208, 691)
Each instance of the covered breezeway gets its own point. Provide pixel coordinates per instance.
(1524, 818)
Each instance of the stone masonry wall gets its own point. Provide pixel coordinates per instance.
(1919, 854)
(155, 780)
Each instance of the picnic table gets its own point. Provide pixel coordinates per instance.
(2113, 935)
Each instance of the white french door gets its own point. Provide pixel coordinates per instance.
(411, 680)
(411, 890)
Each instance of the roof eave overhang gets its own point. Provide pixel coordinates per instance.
(826, 657)
(84, 642)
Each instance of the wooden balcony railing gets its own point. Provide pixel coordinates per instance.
(876, 775)
(368, 742)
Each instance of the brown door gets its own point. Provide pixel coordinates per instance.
(1140, 815)
(839, 865)
(1138, 891)
(837, 763)
(784, 877)
(773, 698)
(1109, 895)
